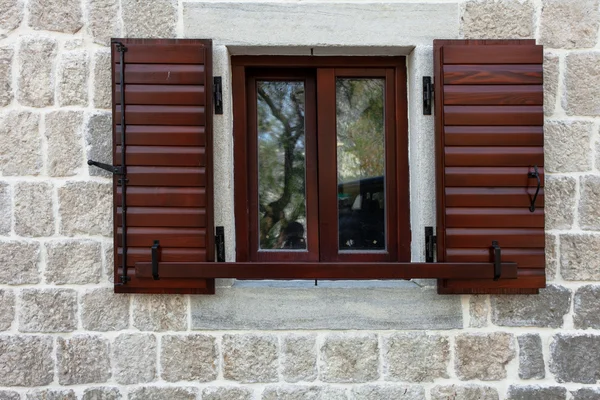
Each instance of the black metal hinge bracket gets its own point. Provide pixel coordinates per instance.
(218, 94)
(220, 243)
(427, 95)
(497, 260)
(430, 242)
(107, 167)
(155, 258)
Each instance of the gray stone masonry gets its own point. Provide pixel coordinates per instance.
(73, 359)
(73, 262)
(12, 14)
(551, 74)
(5, 208)
(85, 208)
(531, 358)
(569, 24)
(48, 310)
(299, 357)
(159, 313)
(102, 393)
(385, 392)
(98, 139)
(586, 394)
(73, 72)
(60, 15)
(6, 59)
(415, 357)
(103, 310)
(227, 393)
(19, 260)
(567, 146)
(586, 307)
(63, 134)
(250, 358)
(7, 308)
(479, 310)
(349, 358)
(103, 21)
(574, 358)
(467, 392)
(559, 201)
(483, 356)
(156, 19)
(102, 79)
(303, 393)
(20, 143)
(34, 216)
(51, 395)
(582, 84)
(26, 360)
(134, 358)
(176, 363)
(589, 212)
(579, 259)
(37, 56)
(163, 393)
(505, 19)
(536, 393)
(8, 394)
(551, 257)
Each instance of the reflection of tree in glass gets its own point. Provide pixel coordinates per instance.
(281, 169)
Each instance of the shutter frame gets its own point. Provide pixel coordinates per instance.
(519, 131)
(181, 199)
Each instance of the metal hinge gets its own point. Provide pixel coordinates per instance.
(427, 95)
(218, 94)
(430, 242)
(220, 243)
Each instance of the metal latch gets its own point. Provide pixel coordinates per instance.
(218, 94)
(430, 242)
(427, 95)
(220, 243)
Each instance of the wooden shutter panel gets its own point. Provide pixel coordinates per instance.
(168, 148)
(489, 137)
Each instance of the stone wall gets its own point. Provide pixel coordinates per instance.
(65, 335)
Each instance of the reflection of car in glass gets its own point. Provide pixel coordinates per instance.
(361, 205)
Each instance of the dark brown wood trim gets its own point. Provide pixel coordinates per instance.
(317, 61)
(402, 164)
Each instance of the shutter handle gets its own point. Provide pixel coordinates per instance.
(534, 174)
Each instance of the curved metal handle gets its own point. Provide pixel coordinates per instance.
(535, 174)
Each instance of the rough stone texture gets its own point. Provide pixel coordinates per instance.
(20, 262)
(11, 15)
(103, 310)
(559, 201)
(303, 393)
(176, 363)
(467, 392)
(299, 358)
(48, 310)
(582, 84)
(589, 211)
(156, 19)
(6, 59)
(85, 208)
(102, 393)
(103, 21)
(73, 43)
(34, 216)
(159, 313)
(9, 395)
(567, 146)
(134, 358)
(586, 306)
(109, 262)
(51, 395)
(349, 358)
(551, 74)
(416, 357)
(73, 360)
(26, 360)
(163, 393)
(250, 358)
(479, 310)
(72, 79)
(579, 259)
(505, 19)
(63, 133)
(531, 358)
(5, 208)
(7, 308)
(20, 143)
(574, 358)
(569, 24)
(551, 257)
(36, 84)
(586, 394)
(227, 393)
(98, 138)
(73, 261)
(544, 310)
(483, 356)
(376, 392)
(536, 393)
(59, 16)
(102, 78)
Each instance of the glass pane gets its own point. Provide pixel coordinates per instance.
(360, 163)
(281, 165)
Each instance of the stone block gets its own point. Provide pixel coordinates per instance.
(163, 393)
(582, 92)
(74, 43)
(586, 306)
(103, 310)
(98, 139)
(589, 212)
(551, 74)
(109, 261)
(72, 85)
(415, 357)
(26, 360)
(551, 257)
(48, 310)
(85, 208)
(8, 394)
(12, 15)
(34, 216)
(159, 313)
(567, 146)
(49, 394)
(386, 392)
(102, 79)
(157, 19)
(349, 358)
(20, 262)
(37, 56)
(536, 393)
(299, 358)
(531, 358)
(177, 365)
(559, 201)
(579, 259)
(504, 19)
(20, 143)
(250, 358)
(586, 394)
(7, 308)
(466, 392)
(58, 15)
(227, 393)
(483, 356)
(103, 20)
(544, 310)
(73, 262)
(102, 393)
(5, 208)
(574, 358)
(479, 310)
(134, 357)
(569, 24)
(6, 59)
(73, 360)
(63, 134)
(290, 392)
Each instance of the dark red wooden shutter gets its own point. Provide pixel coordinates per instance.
(489, 137)
(168, 137)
